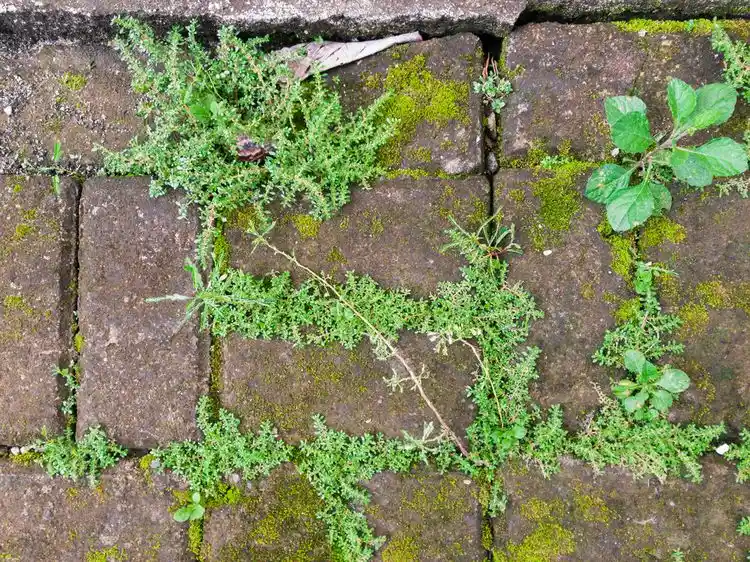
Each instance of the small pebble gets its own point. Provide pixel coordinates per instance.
(492, 165)
(723, 448)
(615, 151)
(642, 33)
(546, 252)
(15, 451)
(8, 110)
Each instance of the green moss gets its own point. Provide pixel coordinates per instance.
(548, 542)
(25, 459)
(420, 154)
(216, 360)
(222, 250)
(111, 554)
(517, 195)
(660, 229)
(144, 464)
(195, 538)
(413, 173)
(592, 509)
(540, 510)
(627, 310)
(402, 549)
(694, 319)
(487, 540)
(587, 291)
(418, 96)
(720, 295)
(335, 256)
(18, 303)
(739, 28)
(73, 82)
(559, 202)
(307, 226)
(622, 250)
(78, 342)
(249, 218)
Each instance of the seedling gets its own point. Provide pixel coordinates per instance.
(653, 391)
(629, 206)
(191, 511)
(493, 87)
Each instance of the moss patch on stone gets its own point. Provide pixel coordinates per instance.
(73, 82)
(700, 26)
(660, 229)
(723, 295)
(547, 542)
(694, 318)
(308, 227)
(417, 96)
(622, 248)
(111, 554)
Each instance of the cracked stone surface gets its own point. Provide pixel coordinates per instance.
(143, 366)
(37, 237)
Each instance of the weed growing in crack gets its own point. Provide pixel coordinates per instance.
(234, 127)
(740, 454)
(493, 86)
(736, 61)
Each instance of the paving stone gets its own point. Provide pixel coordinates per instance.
(393, 233)
(125, 518)
(90, 19)
(610, 9)
(440, 117)
(79, 95)
(143, 370)
(275, 520)
(37, 237)
(574, 286)
(709, 250)
(558, 98)
(426, 517)
(579, 515)
(272, 380)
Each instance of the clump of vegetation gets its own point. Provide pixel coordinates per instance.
(222, 451)
(736, 59)
(653, 390)
(65, 456)
(741, 455)
(234, 127)
(629, 206)
(646, 327)
(743, 527)
(493, 86)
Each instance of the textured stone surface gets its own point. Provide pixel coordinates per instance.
(275, 520)
(570, 286)
(91, 18)
(712, 295)
(578, 515)
(143, 370)
(558, 98)
(433, 101)
(393, 233)
(37, 235)
(125, 518)
(272, 380)
(620, 9)
(426, 517)
(78, 95)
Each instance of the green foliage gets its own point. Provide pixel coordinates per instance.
(629, 206)
(191, 511)
(222, 451)
(645, 330)
(65, 456)
(743, 527)
(235, 127)
(548, 441)
(736, 59)
(653, 390)
(335, 463)
(741, 455)
(493, 86)
(654, 447)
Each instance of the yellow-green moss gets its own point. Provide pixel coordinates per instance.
(335, 256)
(111, 554)
(307, 226)
(587, 291)
(73, 82)
(222, 251)
(660, 229)
(517, 195)
(78, 342)
(420, 154)
(25, 459)
(418, 96)
(401, 549)
(479, 215)
(694, 26)
(195, 538)
(694, 318)
(216, 360)
(144, 465)
(622, 250)
(547, 543)
(592, 509)
(413, 173)
(627, 310)
(245, 219)
(487, 541)
(714, 294)
(559, 202)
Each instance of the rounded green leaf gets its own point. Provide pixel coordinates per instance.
(617, 106)
(714, 105)
(632, 133)
(182, 514)
(682, 100)
(691, 167)
(198, 511)
(624, 388)
(196, 497)
(724, 157)
(634, 361)
(662, 196)
(673, 380)
(649, 373)
(661, 400)
(605, 180)
(630, 207)
(633, 403)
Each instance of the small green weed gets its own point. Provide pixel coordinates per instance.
(191, 511)
(692, 110)
(654, 389)
(736, 59)
(741, 455)
(493, 86)
(743, 527)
